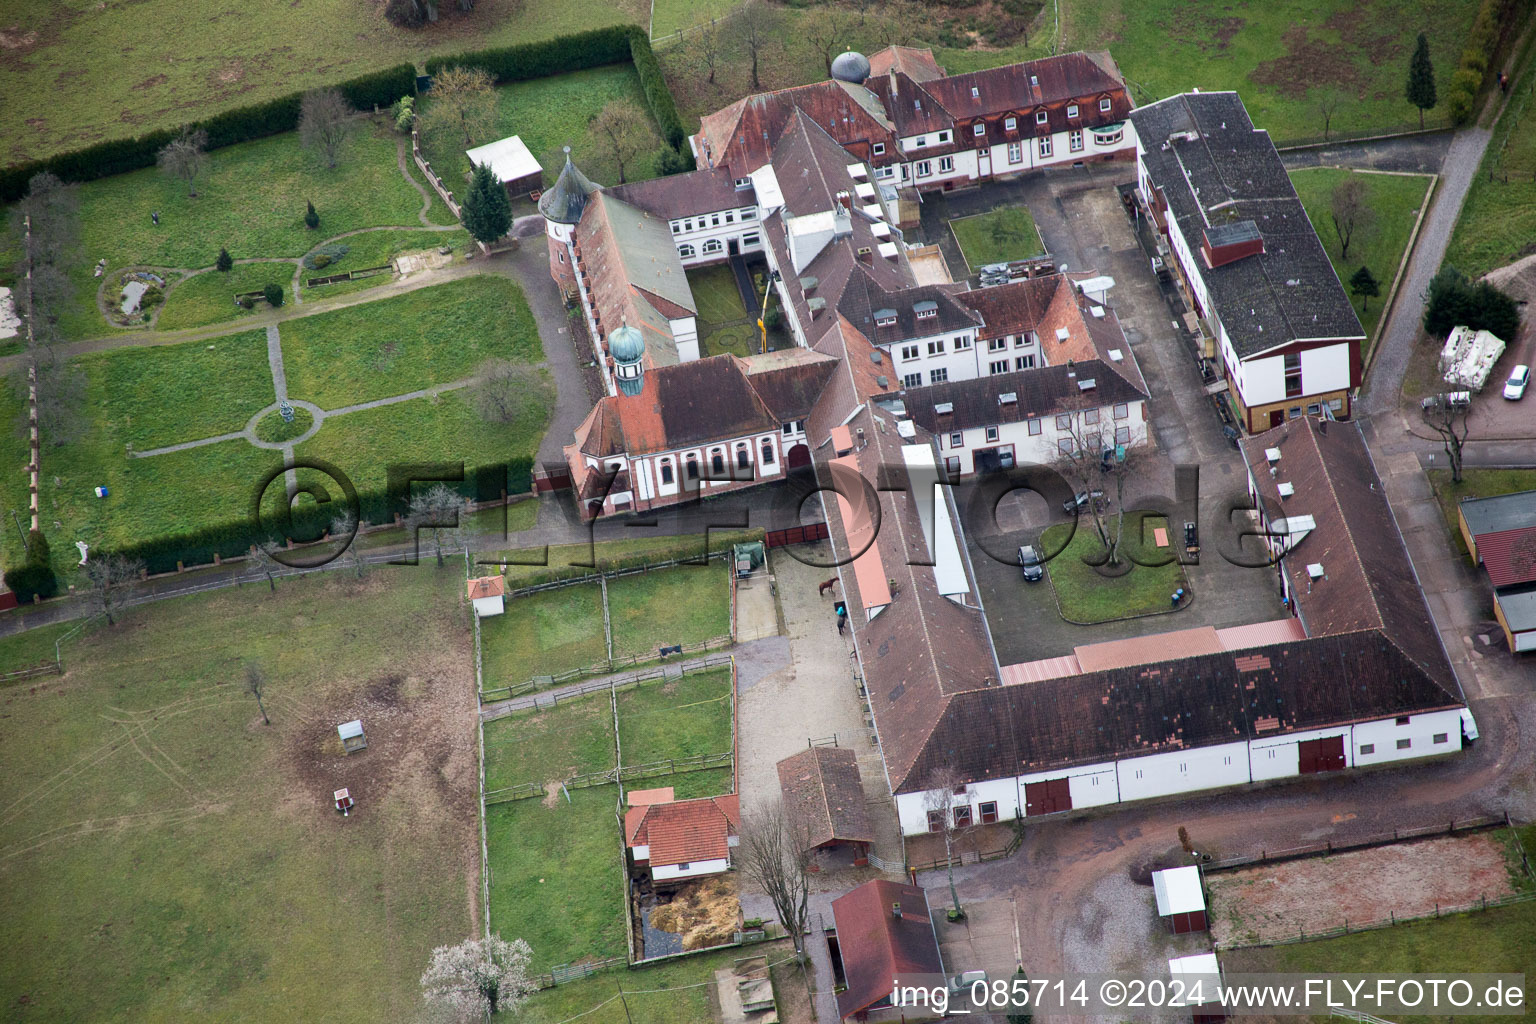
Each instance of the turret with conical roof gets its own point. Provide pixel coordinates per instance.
(627, 347)
(564, 202)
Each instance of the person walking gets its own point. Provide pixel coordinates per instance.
(155, 216)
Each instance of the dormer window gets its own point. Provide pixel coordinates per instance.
(1040, 117)
(878, 149)
(926, 314)
(742, 183)
(980, 128)
(943, 137)
(975, 92)
(1104, 105)
(1011, 123)
(1071, 109)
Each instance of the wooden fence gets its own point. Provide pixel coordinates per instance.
(627, 773)
(554, 688)
(1326, 848)
(46, 668)
(350, 275)
(1351, 927)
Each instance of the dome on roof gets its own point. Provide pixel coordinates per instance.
(626, 345)
(850, 67)
(565, 200)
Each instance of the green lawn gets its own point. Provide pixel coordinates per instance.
(572, 738)
(33, 646)
(162, 841)
(1475, 483)
(680, 605)
(543, 634)
(998, 237)
(675, 718)
(725, 325)
(378, 248)
(407, 342)
(557, 875)
(1498, 219)
(673, 992)
(15, 450)
(1394, 201)
(209, 297)
(251, 200)
(1497, 940)
(561, 560)
(549, 113)
(106, 72)
(1087, 597)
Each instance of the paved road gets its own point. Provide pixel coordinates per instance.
(1419, 154)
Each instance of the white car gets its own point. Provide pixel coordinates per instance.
(1514, 388)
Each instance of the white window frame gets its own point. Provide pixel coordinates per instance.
(997, 367)
(946, 164)
(962, 343)
(1045, 146)
(1104, 105)
(1015, 153)
(878, 149)
(1041, 117)
(938, 375)
(924, 168)
(1071, 110)
(936, 347)
(991, 433)
(943, 137)
(979, 129)
(912, 380)
(1011, 124)
(957, 439)
(1075, 140)
(908, 353)
(712, 245)
(686, 251)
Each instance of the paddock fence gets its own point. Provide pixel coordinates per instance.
(627, 773)
(1329, 847)
(1392, 920)
(547, 691)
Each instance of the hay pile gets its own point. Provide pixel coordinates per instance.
(704, 913)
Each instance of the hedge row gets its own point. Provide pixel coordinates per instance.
(118, 156)
(1479, 55)
(577, 52)
(309, 522)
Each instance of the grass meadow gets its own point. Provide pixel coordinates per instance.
(162, 841)
(1498, 219)
(543, 634)
(1394, 201)
(108, 73)
(681, 605)
(675, 718)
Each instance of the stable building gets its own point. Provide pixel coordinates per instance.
(824, 797)
(678, 840)
(1180, 899)
(513, 165)
(884, 937)
(1272, 311)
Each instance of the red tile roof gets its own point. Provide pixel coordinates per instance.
(684, 831)
(822, 791)
(487, 586)
(1509, 556)
(878, 946)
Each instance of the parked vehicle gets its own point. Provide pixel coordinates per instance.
(1454, 399)
(1468, 726)
(1514, 388)
(1030, 565)
(1232, 434)
(1079, 501)
(1191, 538)
(960, 984)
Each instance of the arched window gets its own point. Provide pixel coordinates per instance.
(713, 245)
(693, 467)
(666, 471)
(767, 453)
(685, 252)
(717, 464)
(743, 457)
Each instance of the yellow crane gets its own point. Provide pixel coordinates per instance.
(762, 315)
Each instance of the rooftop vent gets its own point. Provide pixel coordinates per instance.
(1097, 311)
(944, 408)
(1287, 489)
(1086, 384)
(906, 429)
(1116, 356)
(1008, 398)
(883, 381)
(1062, 334)
(808, 284)
(874, 355)
(1315, 570)
(1272, 454)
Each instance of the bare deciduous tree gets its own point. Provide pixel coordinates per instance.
(479, 978)
(1350, 211)
(505, 392)
(1328, 98)
(825, 31)
(184, 157)
(902, 22)
(1098, 462)
(622, 131)
(437, 509)
(110, 578)
(262, 561)
(760, 30)
(709, 45)
(944, 790)
(1449, 420)
(775, 855)
(344, 531)
(463, 101)
(325, 123)
(256, 685)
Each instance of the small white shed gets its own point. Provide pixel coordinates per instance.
(488, 595)
(1180, 898)
(512, 164)
(1201, 968)
(352, 738)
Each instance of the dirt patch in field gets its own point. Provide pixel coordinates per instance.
(151, 82)
(1310, 61)
(1360, 887)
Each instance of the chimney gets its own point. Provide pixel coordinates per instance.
(845, 199)
(896, 911)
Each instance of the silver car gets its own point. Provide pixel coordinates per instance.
(1514, 388)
